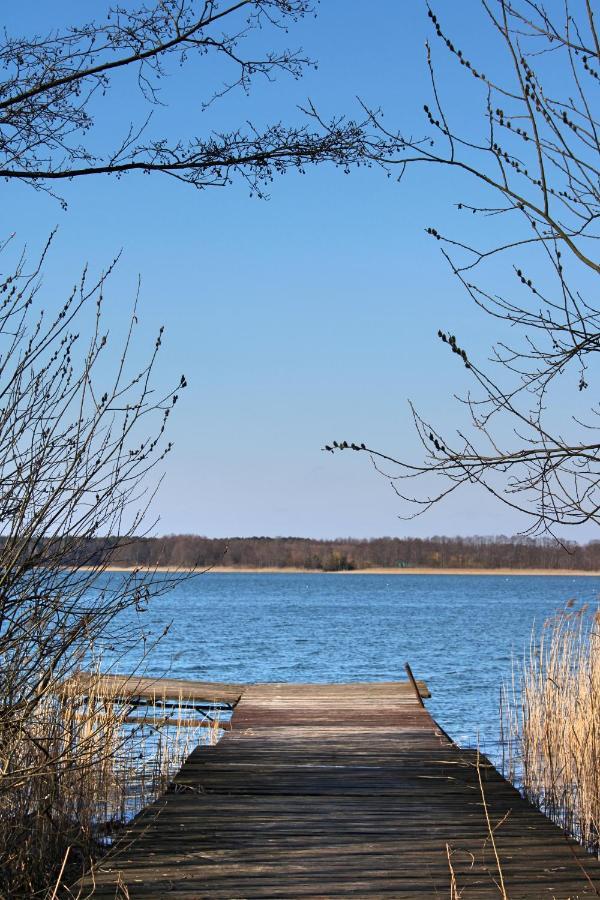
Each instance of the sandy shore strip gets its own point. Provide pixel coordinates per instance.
(375, 571)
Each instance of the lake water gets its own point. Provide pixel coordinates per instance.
(459, 633)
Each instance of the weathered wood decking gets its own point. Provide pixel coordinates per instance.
(151, 690)
(337, 790)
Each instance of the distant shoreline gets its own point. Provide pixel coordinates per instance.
(374, 571)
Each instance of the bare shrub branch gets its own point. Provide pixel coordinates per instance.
(80, 440)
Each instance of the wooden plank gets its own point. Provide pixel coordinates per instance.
(158, 722)
(151, 689)
(330, 690)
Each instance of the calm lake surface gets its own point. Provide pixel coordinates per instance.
(459, 633)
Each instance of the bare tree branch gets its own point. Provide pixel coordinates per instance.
(55, 84)
(537, 152)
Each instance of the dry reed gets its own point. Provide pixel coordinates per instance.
(552, 723)
(71, 775)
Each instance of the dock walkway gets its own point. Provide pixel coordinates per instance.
(341, 790)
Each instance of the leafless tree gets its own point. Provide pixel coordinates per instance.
(530, 143)
(54, 86)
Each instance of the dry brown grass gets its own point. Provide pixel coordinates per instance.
(552, 723)
(71, 775)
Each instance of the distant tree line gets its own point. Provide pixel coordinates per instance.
(342, 554)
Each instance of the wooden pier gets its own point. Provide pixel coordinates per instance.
(340, 790)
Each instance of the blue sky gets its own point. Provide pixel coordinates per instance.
(300, 319)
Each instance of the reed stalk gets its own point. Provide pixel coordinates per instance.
(552, 723)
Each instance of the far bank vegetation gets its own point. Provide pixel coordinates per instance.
(344, 554)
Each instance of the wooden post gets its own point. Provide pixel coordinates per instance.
(408, 671)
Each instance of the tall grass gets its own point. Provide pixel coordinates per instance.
(71, 775)
(552, 723)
